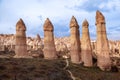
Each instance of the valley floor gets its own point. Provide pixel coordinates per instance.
(41, 69)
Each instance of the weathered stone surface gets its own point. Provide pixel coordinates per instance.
(75, 41)
(37, 42)
(2, 48)
(86, 49)
(62, 44)
(62, 47)
(38, 37)
(7, 40)
(20, 44)
(49, 45)
(102, 46)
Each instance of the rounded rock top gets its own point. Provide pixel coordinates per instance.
(99, 17)
(48, 26)
(73, 22)
(85, 23)
(20, 26)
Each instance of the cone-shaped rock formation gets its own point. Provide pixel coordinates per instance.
(86, 49)
(75, 41)
(102, 46)
(49, 45)
(38, 37)
(20, 44)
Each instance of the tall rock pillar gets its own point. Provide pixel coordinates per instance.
(20, 44)
(49, 45)
(86, 49)
(75, 41)
(102, 46)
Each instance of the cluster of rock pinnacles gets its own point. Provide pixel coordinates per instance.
(81, 52)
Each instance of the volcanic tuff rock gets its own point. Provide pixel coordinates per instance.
(86, 49)
(8, 41)
(102, 46)
(75, 41)
(20, 44)
(49, 45)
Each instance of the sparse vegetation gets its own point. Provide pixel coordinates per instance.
(92, 73)
(41, 69)
(32, 69)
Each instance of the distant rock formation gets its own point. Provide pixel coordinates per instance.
(38, 37)
(49, 45)
(86, 49)
(75, 41)
(7, 41)
(102, 46)
(61, 44)
(37, 42)
(20, 44)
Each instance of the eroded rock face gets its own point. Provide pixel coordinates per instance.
(86, 49)
(37, 42)
(38, 37)
(49, 45)
(75, 41)
(7, 40)
(20, 44)
(63, 45)
(102, 46)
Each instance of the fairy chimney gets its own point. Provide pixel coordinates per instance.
(75, 41)
(86, 49)
(49, 45)
(102, 46)
(36, 42)
(20, 44)
(38, 37)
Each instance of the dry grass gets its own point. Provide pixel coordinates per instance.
(92, 73)
(32, 69)
(41, 69)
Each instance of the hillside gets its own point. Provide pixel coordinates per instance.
(32, 69)
(41, 69)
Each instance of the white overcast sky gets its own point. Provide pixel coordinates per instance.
(34, 13)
